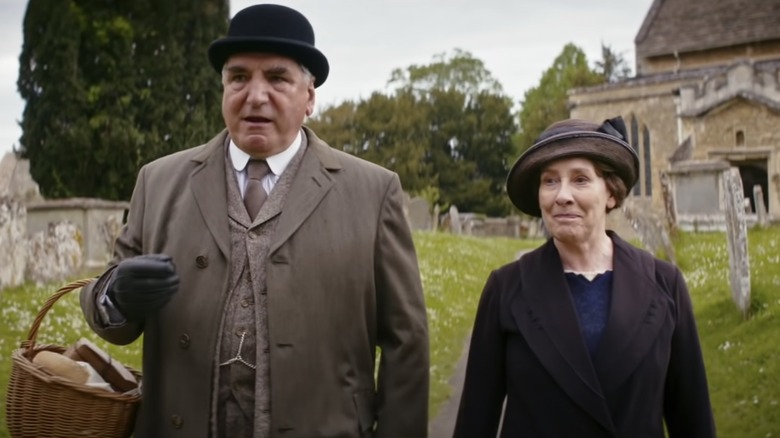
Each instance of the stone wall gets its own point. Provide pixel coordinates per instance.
(99, 222)
(731, 113)
(55, 254)
(653, 106)
(50, 241)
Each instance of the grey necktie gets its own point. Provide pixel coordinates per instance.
(255, 194)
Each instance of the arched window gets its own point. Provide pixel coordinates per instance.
(634, 134)
(648, 161)
(740, 138)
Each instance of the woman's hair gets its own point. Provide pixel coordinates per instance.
(615, 185)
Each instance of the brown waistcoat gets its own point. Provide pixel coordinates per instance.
(242, 392)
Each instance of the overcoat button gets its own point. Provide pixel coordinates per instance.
(184, 341)
(176, 421)
(201, 261)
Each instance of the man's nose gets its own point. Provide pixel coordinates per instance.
(257, 94)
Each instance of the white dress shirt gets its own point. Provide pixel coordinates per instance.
(277, 163)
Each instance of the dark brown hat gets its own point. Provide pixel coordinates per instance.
(606, 143)
(275, 29)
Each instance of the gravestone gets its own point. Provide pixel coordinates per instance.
(669, 210)
(13, 235)
(762, 218)
(15, 179)
(736, 231)
(435, 218)
(455, 225)
(419, 214)
(650, 227)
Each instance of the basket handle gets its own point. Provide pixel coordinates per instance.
(33, 333)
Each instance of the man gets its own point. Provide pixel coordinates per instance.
(264, 268)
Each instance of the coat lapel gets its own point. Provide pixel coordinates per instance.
(545, 314)
(208, 184)
(309, 186)
(636, 315)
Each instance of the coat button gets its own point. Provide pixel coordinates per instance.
(184, 341)
(176, 421)
(201, 261)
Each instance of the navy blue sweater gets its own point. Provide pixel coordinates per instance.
(591, 299)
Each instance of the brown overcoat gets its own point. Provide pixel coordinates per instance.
(527, 345)
(342, 280)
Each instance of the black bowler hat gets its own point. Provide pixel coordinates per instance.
(570, 138)
(271, 28)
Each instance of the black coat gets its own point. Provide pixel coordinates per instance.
(527, 345)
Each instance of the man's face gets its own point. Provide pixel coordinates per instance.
(265, 98)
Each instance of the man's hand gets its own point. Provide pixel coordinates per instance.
(142, 285)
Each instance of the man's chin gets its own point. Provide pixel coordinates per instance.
(255, 145)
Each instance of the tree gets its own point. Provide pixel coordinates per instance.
(459, 71)
(548, 102)
(111, 85)
(445, 130)
(612, 66)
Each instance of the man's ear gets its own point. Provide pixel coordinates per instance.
(310, 102)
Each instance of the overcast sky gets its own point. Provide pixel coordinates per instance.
(365, 40)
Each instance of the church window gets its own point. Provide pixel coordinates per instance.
(634, 126)
(647, 161)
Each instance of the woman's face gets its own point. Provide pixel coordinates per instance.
(574, 200)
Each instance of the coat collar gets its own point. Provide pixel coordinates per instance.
(208, 187)
(544, 312)
(313, 181)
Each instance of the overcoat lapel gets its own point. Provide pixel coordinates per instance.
(637, 314)
(310, 185)
(208, 187)
(545, 314)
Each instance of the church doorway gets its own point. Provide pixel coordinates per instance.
(752, 173)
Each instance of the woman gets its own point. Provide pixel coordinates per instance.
(585, 336)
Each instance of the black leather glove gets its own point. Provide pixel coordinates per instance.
(142, 285)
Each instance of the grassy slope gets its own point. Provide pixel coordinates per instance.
(742, 356)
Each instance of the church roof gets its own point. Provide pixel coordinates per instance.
(692, 25)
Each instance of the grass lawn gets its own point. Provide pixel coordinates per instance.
(454, 270)
(742, 356)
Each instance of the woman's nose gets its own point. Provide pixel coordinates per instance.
(564, 195)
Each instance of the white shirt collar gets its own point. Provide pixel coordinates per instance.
(277, 163)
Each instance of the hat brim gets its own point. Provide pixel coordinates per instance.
(222, 49)
(522, 183)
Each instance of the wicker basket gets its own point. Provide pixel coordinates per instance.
(42, 405)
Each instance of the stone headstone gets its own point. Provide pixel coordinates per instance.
(419, 214)
(455, 225)
(736, 232)
(13, 236)
(762, 218)
(435, 218)
(669, 210)
(650, 226)
(15, 179)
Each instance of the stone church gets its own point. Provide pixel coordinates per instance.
(706, 90)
